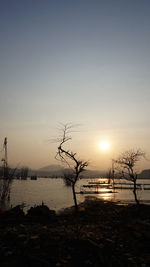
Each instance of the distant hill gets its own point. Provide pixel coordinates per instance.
(48, 171)
(52, 168)
(58, 171)
(93, 173)
(145, 174)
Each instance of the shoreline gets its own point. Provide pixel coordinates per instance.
(101, 234)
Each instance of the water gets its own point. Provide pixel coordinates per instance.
(57, 196)
(52, 192)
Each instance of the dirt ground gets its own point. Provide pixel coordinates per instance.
(100, 234)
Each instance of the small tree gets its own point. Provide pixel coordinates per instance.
(24, 172)
(70, 158)
(110, 175)
(126, 167)
(5, 185)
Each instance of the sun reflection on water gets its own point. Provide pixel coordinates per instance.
(106, 196)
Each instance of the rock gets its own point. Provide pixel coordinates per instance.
(15, 212)
(41, 212)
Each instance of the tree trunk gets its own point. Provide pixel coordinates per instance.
(74, 197)
(135, 195)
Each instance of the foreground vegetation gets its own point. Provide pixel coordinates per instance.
(102, 234)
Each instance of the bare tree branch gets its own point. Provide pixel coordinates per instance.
(125, 165)
(70, 158)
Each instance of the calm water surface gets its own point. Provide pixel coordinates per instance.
(57, 196)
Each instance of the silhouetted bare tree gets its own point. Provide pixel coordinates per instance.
(70, 158)
(126, 163)
(109, 176)
(6, 175)
(24, 172)
(5, 185)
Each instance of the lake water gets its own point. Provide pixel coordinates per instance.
(57, 196)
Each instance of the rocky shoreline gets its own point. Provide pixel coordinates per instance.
(101, 234)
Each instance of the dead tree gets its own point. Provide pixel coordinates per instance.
(5, 185)
(6, 176)
(126, 167)
(24, 173)
(70, 158)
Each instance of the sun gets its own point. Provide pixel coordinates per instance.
(104, 145)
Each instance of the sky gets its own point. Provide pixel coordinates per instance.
(83, 62)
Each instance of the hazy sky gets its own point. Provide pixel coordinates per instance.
(85, 62)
